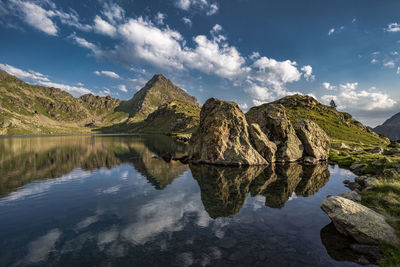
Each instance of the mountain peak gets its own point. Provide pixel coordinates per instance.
(158, 91)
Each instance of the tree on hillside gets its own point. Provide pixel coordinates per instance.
(333, 104)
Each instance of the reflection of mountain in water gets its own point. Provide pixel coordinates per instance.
(23, 160)
(224, 189)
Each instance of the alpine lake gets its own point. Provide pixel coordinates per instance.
(121, 201)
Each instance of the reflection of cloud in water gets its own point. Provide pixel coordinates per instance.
(111, 190)
(164, 215)
(39, 188)
(124, 175)
(40, 248)
(86, 222)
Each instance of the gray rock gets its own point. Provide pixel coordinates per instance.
(377, 150)
(261, 143)
(315, 141)
(355, 220)
(310, 160)
(353, 195)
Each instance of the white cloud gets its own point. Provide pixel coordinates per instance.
(41, 79)
(331, 31)
(103, 27)
(398, 70)
(259, 94)
(349, 86)
(37, 17)
(389, 64)
(84, 43)
(374, 61)
(122, 88)
(393, 27)
(187, 21)
(328, 86)
(31, 75)
(113, 12)
(308, 73)
(107, 73)
(209, 7)
(160, 17)
(351, 99)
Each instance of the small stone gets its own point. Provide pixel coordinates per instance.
(353, 195)
(310, 160)
(346, 181)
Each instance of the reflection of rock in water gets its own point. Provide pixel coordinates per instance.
(339, 247)
(314, 178)
(278, 192)
(224, 189)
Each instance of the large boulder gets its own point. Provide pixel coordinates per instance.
(262, 144)
(274, 122)
(355, 220)
(315, 141)
(222, 137)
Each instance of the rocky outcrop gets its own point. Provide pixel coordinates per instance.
(315, 141)
(222, 137)
(262, 144)
(274, 122)
(355, 220)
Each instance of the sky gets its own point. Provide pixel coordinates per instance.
(247, 51)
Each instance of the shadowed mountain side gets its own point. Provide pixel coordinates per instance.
(23, 160)
(391, 127)
(224, 189)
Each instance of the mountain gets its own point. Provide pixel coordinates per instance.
(157, 91)
(391, 127)
(31, 109)
(340, 126)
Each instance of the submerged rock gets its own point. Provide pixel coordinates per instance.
(315, 141)
(222, 137)
(355, 220)
(275, 123)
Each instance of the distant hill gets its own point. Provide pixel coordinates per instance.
(340, 126)
(391, 127)
(31, 109)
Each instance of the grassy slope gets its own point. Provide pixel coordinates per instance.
(29, 109)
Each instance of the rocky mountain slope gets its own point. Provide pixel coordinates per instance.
(391, 127)
(30, 109)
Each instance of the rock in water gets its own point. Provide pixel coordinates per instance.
(315, 141)
(222, 137)
(262, 144)
(274, 122)
(355, 220)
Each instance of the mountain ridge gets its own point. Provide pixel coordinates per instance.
(391, 127)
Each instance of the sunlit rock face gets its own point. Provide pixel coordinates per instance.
(275, 123)
(262, 144)
(315, 141)
(224, 189)
(223, 137)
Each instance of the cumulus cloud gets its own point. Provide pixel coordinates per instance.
(103, 27)
(160, 17)
(122, 88)
(331, 31)
(41, 79)
(393, 27)
(307, 73)
(209, 7)
(351, 99)
(328, 86)
(107, 73)
(41, 15)
(113, 12)
(389, 64)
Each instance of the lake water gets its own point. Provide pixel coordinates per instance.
(113, 201)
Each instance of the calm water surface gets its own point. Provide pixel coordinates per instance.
(113, 201)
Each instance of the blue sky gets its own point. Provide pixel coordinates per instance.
(247, 51)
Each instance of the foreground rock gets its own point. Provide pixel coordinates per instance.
(315, 141)
(262, 144)
(363, 224)
(222, 137)
(275, 123)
